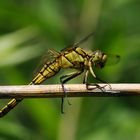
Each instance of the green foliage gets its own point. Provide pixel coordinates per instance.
(29, 28)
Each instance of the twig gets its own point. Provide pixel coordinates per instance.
(73, 90)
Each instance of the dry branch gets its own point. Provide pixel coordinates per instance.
(73, 90)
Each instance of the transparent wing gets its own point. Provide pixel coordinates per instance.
(48, 57)
(112, 59)
(75, 45)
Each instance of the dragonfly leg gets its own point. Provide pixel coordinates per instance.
(62, 104)
(97, 78)
(90, 84)
(86, 77)
(66, 78)
(63, 80)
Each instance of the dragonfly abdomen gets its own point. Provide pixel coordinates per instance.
(46, 72)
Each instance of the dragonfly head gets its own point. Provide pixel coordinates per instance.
(99, 59)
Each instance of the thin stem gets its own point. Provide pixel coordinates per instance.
(73, 90)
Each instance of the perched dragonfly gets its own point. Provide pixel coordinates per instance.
(73, 57)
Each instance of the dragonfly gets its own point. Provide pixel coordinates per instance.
(72, 57)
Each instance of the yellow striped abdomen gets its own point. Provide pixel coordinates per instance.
(46, 72)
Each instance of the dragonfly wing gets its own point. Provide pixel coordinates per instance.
(47, 58)
(75, 45)
(112, 59)
(53, 53)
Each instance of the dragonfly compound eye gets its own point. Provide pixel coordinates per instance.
(102, 62)
(100, 59)
(104, 58)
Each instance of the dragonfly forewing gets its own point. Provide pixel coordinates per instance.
(112, 59)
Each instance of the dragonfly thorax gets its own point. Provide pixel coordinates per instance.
(98, 58)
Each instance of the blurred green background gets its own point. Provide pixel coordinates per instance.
(29, 27)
